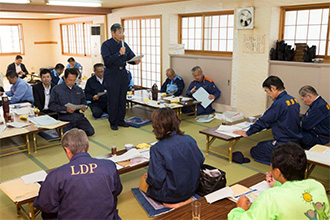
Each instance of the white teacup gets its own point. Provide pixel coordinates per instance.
(128, 146)
(252, 119)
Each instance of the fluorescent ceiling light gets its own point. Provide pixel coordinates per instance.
(76, 4)
(15, 1)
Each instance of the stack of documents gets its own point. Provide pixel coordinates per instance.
(43, 120)
(229, 129)
(22, 111)
(236, 191)
(230, 116)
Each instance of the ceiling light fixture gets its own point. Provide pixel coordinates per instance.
(76, 4)
(16, 1)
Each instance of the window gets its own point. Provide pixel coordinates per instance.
(143, 35)
(307, 24)
(76, 39)
(11, 39)
(207, 33)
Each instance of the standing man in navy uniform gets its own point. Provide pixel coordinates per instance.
(116, 53)
(201, 81)
(282, 117)
(84, 188)
(315, 122)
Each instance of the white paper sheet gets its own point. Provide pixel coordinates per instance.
(18, 124)
(73, 106)
(323, 157)
(219, 194)
(43, 120)
(3, 128)
(202, 95)
(261, 186)
(21, 111)
(132, 153)
(102, 93)
(136, 58)
(34, 177)
(228, 130)
(146, 153)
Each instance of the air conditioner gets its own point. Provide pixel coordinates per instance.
(97, 38)
(245, 18)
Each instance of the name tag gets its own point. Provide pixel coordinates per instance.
(83, 169)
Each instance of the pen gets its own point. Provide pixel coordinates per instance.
(248, 192)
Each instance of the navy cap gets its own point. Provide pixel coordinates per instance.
(238, 157)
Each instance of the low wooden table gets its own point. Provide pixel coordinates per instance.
(311, 165)
(140, 95)
(31, 212)
(218, 210)
(35, 130)
(211, 135)
(13, 132)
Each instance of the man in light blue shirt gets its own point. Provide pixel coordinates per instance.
(20, 91)
(73, 64)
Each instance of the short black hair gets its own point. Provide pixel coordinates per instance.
(11, 74)
(291, 160)
(73, 71)
(303, 91)
(71, 59)
(45, 71)
(273, 81)
(18, 57)
(98, 65)
(59, 66)
(115, 27)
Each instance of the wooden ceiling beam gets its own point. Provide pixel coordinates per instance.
(54, 9)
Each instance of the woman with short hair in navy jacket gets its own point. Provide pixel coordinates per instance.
(175, 161)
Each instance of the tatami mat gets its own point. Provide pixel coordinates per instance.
(20, 164)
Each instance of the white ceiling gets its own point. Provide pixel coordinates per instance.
(105, 4)
(114, 3)
(25, 15)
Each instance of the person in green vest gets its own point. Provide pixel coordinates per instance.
(291, 196)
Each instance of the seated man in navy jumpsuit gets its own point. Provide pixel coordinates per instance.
(282, 117)
(115, 53)
(69, 92)
(84, 188)
(202, 81)
(173, 85)
(315, 122)
(94, 85)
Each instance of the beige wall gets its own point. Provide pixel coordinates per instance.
(36, 55)
(86, 62)
(46, 55)
(297, 74)
(248, 70)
